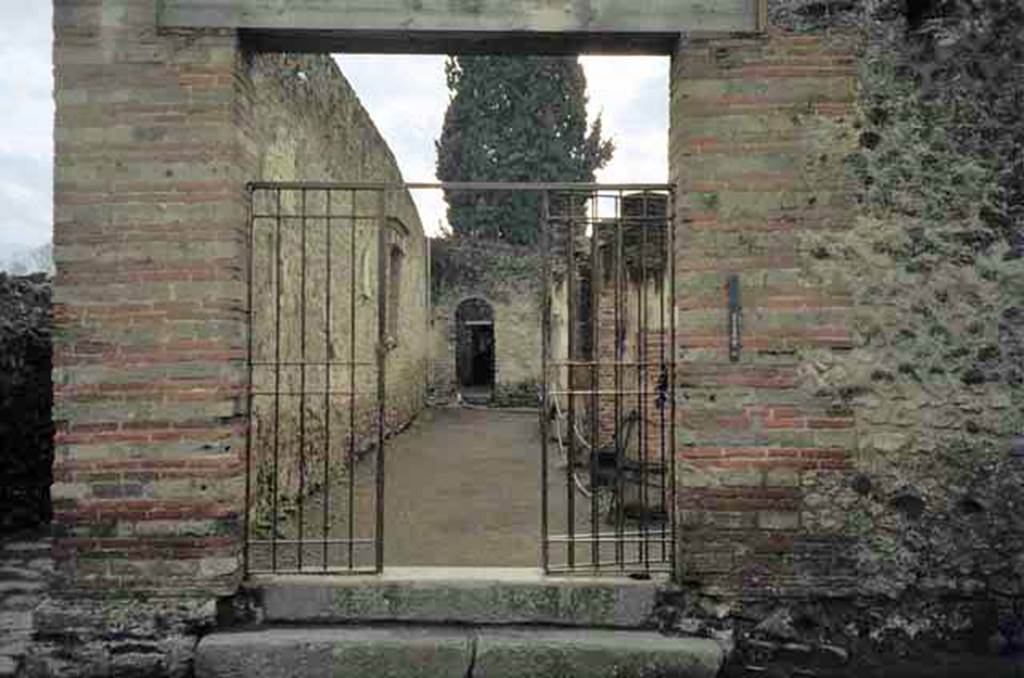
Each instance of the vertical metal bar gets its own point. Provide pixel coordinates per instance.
(662, 376)
(277, 382)
(249, 385)
(353, 223)
(639, 359)
(620, 440)
(570, 469)
(328, 359)
(595, 384)
(428, 304)
(302, 382)
(545, 413)
(645, 443)
(672, 509)
(382, 337)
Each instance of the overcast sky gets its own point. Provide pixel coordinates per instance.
(406, 96)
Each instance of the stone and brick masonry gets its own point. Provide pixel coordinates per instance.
(759, 130)
(154, 148)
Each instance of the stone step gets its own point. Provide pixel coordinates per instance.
(448, 596)
(440, 652)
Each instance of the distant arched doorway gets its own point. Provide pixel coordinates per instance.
(474, 349)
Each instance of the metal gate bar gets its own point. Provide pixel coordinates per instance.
(608, 248)
(636, 533)
(298, 382)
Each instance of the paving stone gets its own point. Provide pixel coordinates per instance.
(337, 653)
(594, 654)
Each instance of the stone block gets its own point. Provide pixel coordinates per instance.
(778, 520)
(432, 652)
(335, 653)
(524, 599)
(782, 477)
(594, 654)
(750, 476)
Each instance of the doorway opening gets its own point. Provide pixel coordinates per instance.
(475, 351)
(326, 393)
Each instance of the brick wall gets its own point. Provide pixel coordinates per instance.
(149, 297)
(759, 128)
(157, 134)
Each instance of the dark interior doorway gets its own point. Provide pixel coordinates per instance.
(474, 352)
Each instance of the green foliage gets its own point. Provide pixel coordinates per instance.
(934, 262)
(514, 119)
(458, 264)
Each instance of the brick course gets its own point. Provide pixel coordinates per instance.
(148, 212)
(758, 132)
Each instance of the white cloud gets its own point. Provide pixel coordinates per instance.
(631, 94)
(407, 96)
(26, 121)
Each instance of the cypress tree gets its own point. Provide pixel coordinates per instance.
(514, 119)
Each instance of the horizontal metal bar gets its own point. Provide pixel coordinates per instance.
(608, 363)
(319, 570)
(605, 535)
(312, 542)
(660, 567)
(453, 186)
(312, 363)
(610, 539)
(308, 392)
(612, 221)
(605, 393)
(289, 215)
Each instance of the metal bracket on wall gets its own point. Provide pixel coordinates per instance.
(735, 319)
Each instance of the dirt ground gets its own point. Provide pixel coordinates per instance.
(462, 489)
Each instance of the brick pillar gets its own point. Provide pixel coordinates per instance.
(149, 223)
(759, 129)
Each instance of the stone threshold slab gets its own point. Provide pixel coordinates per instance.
(457, 653)
(447, 596)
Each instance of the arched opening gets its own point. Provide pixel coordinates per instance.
(474, 350)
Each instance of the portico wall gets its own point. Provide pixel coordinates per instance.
(150, 245)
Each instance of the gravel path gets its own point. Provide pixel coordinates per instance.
(463, 489)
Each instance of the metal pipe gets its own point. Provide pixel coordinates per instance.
(328, 352)
(302, 380)
(277, 381)
(249, 384)
(595, 429)
(562, 186)
(382, 340)
(673, 509)
(545, 362)
(351, 525)
(570, 468)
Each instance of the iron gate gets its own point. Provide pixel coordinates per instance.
(608, 389)
(317, 375)
(318, 363)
